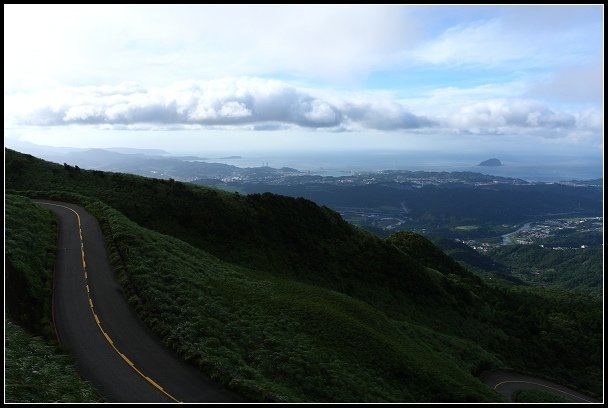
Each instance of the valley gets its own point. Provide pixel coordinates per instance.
(403, 302)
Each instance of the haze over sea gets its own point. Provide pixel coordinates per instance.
(380, 87)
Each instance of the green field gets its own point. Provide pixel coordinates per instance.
(466, 228)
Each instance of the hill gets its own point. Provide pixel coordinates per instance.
(577, 269)
(307, 263)
(490, 163)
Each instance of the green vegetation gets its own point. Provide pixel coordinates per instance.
(275, 339)
(439, 206)
(466, 227)
(30, 258)
(35, 369)
(573, 269)
(567, 238)
(537, 396)
(426, 253)
(285, 301)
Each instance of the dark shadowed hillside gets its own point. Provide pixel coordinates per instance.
(272, 250)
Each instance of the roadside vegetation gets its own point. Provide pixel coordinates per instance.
(276, 339)
(284, 301)
(538, 396)
(36, 370)
(30, 258)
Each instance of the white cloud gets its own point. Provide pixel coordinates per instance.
(475, 42)
(580, 84)
(516, 39)
(49, 45)
(505, 114)
(255, 103)
(590, 119)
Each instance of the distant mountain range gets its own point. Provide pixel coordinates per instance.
(150, 163)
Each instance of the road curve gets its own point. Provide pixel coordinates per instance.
(112, 347)
(506, 383)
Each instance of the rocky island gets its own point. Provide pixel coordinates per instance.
(490, 163)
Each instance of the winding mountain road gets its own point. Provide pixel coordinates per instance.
(112, 347)
(506, 383)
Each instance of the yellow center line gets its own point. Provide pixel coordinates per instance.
(107, 337)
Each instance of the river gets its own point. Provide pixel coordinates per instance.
(506, 238)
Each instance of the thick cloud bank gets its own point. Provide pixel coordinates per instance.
(267, 104)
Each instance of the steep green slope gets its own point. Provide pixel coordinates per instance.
(293, 240)
(482, 265)
(280, 340)
(577, 269)
(291, 237)
(426, 252)
(35, 369)
(470, 257)
(30, 256)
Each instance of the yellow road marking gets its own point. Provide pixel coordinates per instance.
(108, 338)
(542, 385)
(153, 382)
(124, 357)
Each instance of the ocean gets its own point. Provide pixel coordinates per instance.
(529, 168)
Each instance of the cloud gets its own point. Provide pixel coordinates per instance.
(523, 38)
(382, 115)
(233, 101)
(508, 114)
(83, 44)
(262, 104)
(582, 84)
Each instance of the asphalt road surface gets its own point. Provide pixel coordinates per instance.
(507, 383)
(112, 347)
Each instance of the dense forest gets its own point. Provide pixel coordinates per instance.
(325, 308)
(444, 205)
(580, 269)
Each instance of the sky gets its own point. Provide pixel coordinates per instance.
(308, 77)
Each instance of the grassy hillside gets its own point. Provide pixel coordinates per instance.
(35, 369)
(537, 396)
(30, 257)
(292, 237)
(278, 249)
(427, 253)
(577, 269)
(276, 339)
(482, 265)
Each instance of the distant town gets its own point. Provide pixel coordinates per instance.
(548, 234)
